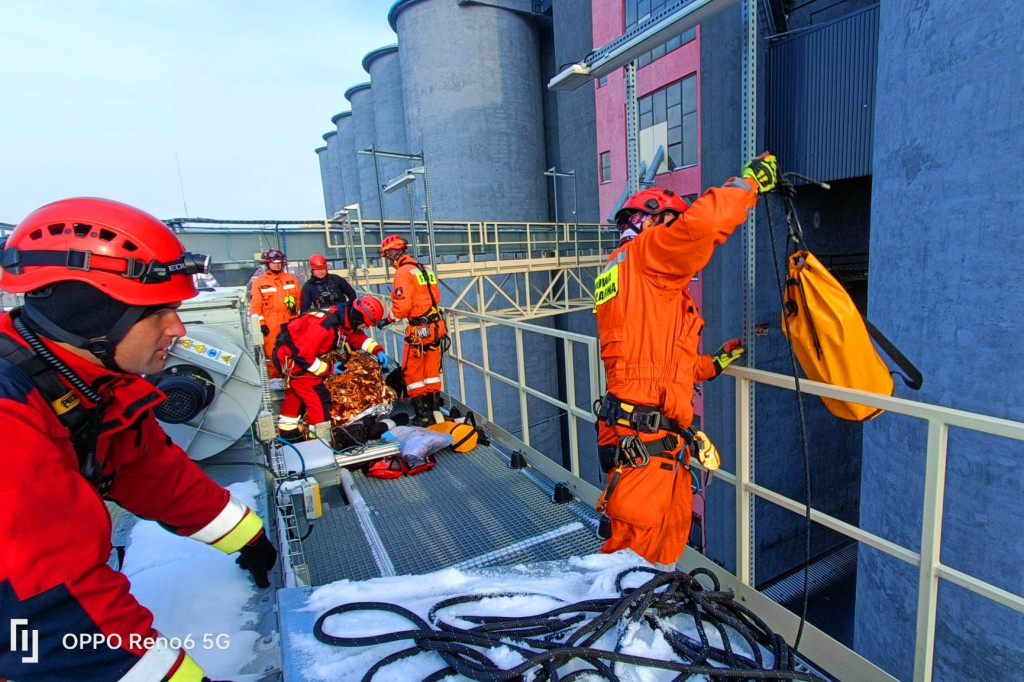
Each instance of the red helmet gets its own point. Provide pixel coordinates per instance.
(393, 241)
(652, 202)
(273, 256)
(371, 308)
(122, 251)
(317, 261)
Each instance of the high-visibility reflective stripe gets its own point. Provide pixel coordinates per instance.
(267, 289)
(432, 380)
(222, 523)
(288, 286)
(284, 422)
(318, 367)
(369, 345)
(418, 384)
(255, 315)
(243, 533)
(188, 671)
(156, 663)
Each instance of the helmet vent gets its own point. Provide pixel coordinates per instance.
(107, 235)
(54, 229)
(82, 230)
(35, 234)
(129, 246)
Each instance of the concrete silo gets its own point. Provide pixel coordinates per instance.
(347, 154)
(385, 69)
(472, 91)
(325, 180)
(361, 98)
(471, 87)
(334, 170)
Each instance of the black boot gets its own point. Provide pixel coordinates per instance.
(424, 406)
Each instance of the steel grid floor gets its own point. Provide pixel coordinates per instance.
(470, 510)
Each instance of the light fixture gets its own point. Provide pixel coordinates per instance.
(406, 178)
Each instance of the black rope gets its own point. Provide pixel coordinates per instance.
(787, 192)
(566, 634)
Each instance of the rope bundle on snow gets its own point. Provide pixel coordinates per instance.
(549, 641)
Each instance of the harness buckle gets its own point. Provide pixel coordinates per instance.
(78, 260)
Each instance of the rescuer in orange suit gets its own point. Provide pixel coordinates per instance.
(274, 300)
(650, 330)
(415, 297)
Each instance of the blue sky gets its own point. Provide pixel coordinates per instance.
(97, 96)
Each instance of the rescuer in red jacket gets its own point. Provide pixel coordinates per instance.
(102, 284)
(415, 297)
(299, 355)
(650, 330)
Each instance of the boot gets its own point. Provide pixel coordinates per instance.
(423, 404)
(437, 415)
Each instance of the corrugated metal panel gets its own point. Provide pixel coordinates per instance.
(821, 97)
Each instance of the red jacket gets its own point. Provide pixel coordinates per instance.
(313, 334)
(647, 322)
(55, 529)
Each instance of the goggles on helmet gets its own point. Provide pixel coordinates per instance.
(147, 272)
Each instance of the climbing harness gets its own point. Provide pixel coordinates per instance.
(45, 370)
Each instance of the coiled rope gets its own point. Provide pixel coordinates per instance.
(551, 640)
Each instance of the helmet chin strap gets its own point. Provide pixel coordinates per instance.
(102, 347)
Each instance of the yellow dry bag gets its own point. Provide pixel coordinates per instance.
(832, 340)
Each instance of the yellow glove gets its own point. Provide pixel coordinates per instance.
(728, 353)
(764, 170)
(289, 302)
(707, 453)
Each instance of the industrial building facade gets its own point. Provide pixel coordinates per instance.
(894, 105)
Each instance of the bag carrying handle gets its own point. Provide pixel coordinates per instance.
(909, 373)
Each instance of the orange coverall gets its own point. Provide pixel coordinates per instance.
(413, 297)
(650, 330)
(267, 305)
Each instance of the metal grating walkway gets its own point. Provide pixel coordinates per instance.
(470, 510)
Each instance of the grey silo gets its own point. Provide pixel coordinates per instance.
(385, 69)
(472, 91)
(325, 179)
(347, 151)
(361, 98)
(334, 171)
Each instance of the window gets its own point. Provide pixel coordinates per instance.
(675, 106)
(602, 81)
(606, 167)
(641, 10)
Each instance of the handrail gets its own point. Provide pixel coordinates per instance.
(928, 561)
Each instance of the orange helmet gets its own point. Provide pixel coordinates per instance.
(317, 261)
(120, 250)
(393, 241)
(650, 202)
(371, 308)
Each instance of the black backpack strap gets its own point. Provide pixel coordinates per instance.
(911, 375)
(82, 423)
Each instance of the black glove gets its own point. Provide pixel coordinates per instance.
(383, 323)
(265, 330)
(258, 557)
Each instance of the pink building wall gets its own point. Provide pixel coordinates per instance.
(608, 18)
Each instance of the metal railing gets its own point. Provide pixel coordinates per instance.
(939, 419)
(928, 562)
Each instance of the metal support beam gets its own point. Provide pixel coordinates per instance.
(748, 143)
